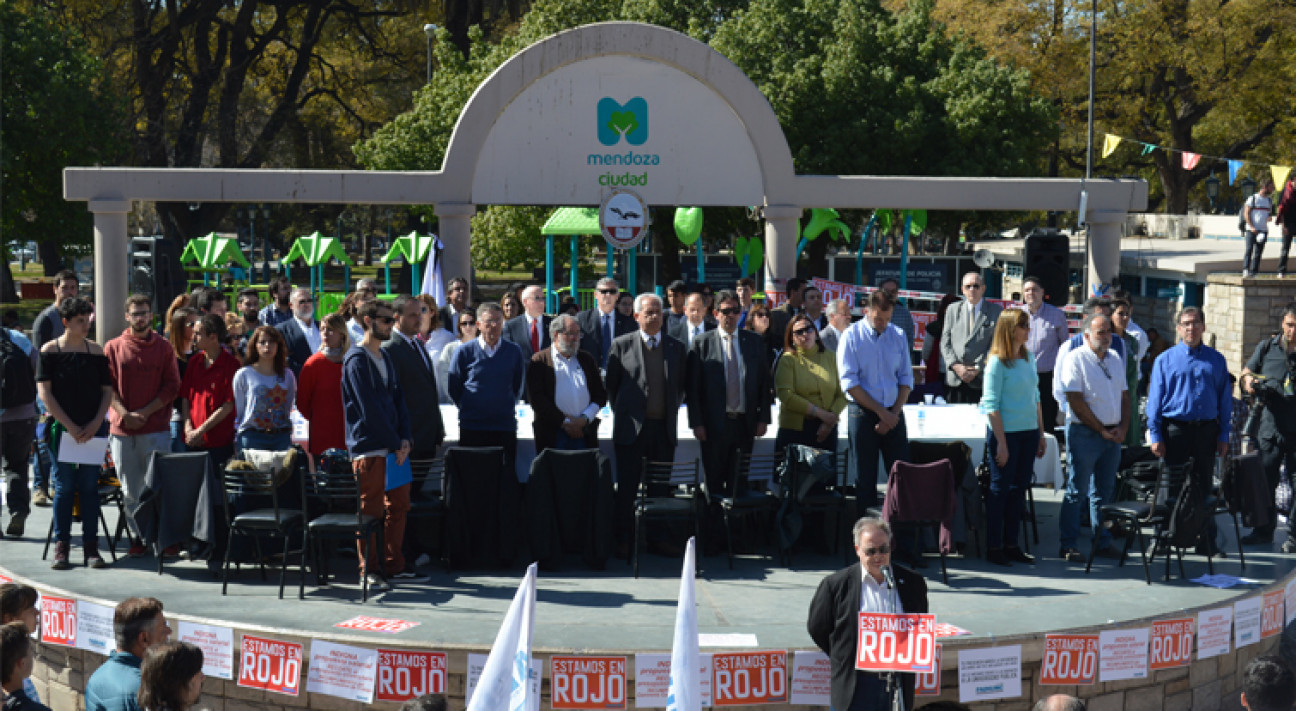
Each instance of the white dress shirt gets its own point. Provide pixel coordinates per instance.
(875, 597)
(312, 333)
(489, 350)
(571, 391)
(650, 341)
(356, 330)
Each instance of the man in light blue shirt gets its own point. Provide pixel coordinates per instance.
(873, 366)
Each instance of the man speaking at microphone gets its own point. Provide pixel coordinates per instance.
(872, 585)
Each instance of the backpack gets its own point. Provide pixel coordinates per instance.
(17, 380)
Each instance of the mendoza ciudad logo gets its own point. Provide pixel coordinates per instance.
(626, 123)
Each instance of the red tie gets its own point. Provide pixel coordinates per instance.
(535, 338)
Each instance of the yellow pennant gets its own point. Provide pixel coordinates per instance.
(1280, 175)
(1109, 144)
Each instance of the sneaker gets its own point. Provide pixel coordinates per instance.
(423, 560)
(376, 582)
(1246, 274)
(40, 498)
(17, 524)
(137, 550)
(1071, 555)
(1017, 555)
(1289, 546)
(409, 575)
(61, 557)
(94, 561)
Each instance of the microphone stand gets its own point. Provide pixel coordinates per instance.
(894, 688)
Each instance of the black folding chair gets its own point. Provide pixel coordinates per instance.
(743, 500)
(333, 489)
(669, 491)
(1152, 486)
(273, 521)
(427, 504)
(804, 489)
(109, 495)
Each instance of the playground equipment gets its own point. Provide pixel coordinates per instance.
(211, 253)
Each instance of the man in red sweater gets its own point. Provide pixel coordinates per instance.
(146, 380)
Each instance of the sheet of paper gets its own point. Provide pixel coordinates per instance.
(726, 640)
(92, 452)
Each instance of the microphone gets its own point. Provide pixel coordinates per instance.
(888, 577)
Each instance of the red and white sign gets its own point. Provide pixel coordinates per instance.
(587, 682)
(928, 683)
(271, 665)
(945, 629)
(58, 621)
(1171, 644)
(405, 674)
(921, 319)
(1271, 614)
(1214, 630)
(904, 643)
(811, 679)
(749, 678)
(1123, 655)
(1069, 659)
(377, 624)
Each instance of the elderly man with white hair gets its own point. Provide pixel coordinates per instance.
(565, 389)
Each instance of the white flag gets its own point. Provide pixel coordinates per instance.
(432, 281)
(685, 690)
(504, 684)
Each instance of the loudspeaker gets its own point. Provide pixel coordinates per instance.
(155, 271)
(1048, 257)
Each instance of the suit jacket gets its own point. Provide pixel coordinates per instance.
(449, 319)
(969, 347)
(540, 384)
(592, 332)
(627, 386)
(298, 348)
(830, 336)
(833, 624)
(516, 331)
(679, 330)
(780, 317)
(706, 381)
(422, 399)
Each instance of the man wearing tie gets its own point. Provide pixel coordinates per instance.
(729, 393)
(530, 331)
(695, 321)
(301, 332)
(645, 383)
(601, 325)
(965, 340)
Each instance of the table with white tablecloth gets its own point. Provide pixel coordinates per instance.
(965, 423)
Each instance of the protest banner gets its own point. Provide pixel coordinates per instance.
(1171, 643)
(749, 678)
(652, 679)
(58, 616)
(888, 642)
(1213, 630)
(991, 673)
(1123, 654)
(217, 644)
(95, 628)
(945, 629)
(406, 674)
(377, 624)
(1271, 614)
(341, 670)
(928, 683)
(1069, 659)
(477, 666)
(811, 679)
(1246, 621)
(578, 682)
(270, 664)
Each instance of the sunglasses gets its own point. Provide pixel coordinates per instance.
(802, 331)
(467, 323)
(732, 310)
(880, 550)
(607, 291)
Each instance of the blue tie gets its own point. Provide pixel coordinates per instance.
(607, 340)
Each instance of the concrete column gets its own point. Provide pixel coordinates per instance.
(1104, 251)
(782, 230)
(455, 230)
(111, 266)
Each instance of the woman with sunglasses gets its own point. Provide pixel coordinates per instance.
(1015, 436)
(758, 322)
(808, 389)
(467, 332)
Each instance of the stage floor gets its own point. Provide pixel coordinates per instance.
(581, 610)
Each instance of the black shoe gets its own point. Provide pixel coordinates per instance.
(1017, 555)
(1257, 537)
(409, 575)
(1211, 550)
(1071, 555)
(17, 524)
(996, 556)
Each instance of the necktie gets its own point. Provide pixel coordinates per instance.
(652, 343)
(427, 362)
(607, 339)
(733, 382)
(535, 338)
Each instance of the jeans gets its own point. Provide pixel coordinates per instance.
(71, 480)
(1255, 242)
(1089, 456)
(131, 455)
(567, 443)
(807, 435)
(15, 445)
(269, 441)
(1007, 500)
(865, 445)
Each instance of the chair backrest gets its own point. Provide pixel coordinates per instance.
(332, 490)
(1189, 518)
(755, 467)
(672, 475)
(473, 461)
(432, 472)
(920, 492)
(248, 482)
(1170, 480)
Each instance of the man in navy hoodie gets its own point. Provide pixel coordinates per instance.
(484, 380)
(377, 424)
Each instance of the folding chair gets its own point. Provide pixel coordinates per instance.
(427, 503)
(810, 481)
(742, 499)
(923, 495)
(669, 491)
(109, 495)
(273, 521)
(333, 488)
(1151, 483)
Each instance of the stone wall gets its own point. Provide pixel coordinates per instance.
(1240, 312)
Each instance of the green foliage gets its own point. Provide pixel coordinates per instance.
(505, 237)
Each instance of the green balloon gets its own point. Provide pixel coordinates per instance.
(919, 221)
(688, 224)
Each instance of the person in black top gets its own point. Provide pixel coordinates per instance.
(1268, 377)
(17, 659)
(76, 387)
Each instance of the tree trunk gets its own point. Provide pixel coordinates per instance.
(8, 289)
(51, 259)
(668, 247)
(816, 258)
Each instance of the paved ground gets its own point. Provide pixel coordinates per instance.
(581, 610)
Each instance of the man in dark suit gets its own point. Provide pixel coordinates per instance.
(781, 315)
(834, 616)
(603, 324)
(729, 391)
(695, 322)
(645, 382)
(965, 341)
(301, 332)
(566, 391)
(530, 331)
(456, 303)
(417, 378)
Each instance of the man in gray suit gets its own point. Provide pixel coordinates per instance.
(530, 331)
(645, 384)
(965, 340)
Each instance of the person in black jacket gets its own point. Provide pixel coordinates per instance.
(17, 658)
(301, 332)
(603, 324)
(834, 616)
(377, 424)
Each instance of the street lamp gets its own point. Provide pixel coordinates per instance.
(1248, 187)
(1212, 190)
(430, 30)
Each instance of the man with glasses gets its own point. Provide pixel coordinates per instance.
(1048, 331)
(280, 308)
(566, 391)
(839, 319)
(603, 324)
(146, 380)
(1189, 405)
(530, 331)
(1097, 393)
(456, 303)
(485, 378)
(965, 340)
(301, 332)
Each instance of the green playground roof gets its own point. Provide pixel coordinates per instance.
(572, 221)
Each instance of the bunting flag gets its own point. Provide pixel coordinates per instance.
(504, 683)
(433, 283)
(1190, 160)
(1147, 148)
(1109, 144)
(1279, 175)
(1234, 167)
(685, 690)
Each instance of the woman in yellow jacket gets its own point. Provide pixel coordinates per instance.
(809, 392)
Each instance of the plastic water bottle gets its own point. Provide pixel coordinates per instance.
(922, 420)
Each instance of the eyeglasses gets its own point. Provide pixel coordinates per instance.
(607, 291)
(973, 286)
(802, 331)
(880, 550)
(462, 324)
(732, 310)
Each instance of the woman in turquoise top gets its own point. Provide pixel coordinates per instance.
(1014, 439)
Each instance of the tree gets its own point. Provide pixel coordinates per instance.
(54, 111)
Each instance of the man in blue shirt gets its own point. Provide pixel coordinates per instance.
(873, 366)
(485, 378)
(1190, 403)
(138, 624)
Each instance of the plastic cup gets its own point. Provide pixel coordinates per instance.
(929, 397)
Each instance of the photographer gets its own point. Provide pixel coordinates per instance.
(1268, 378)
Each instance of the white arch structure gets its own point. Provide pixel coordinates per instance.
(533, 134)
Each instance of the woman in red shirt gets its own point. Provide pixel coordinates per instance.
(319, 389)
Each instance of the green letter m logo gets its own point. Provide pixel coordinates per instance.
(616, 121)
